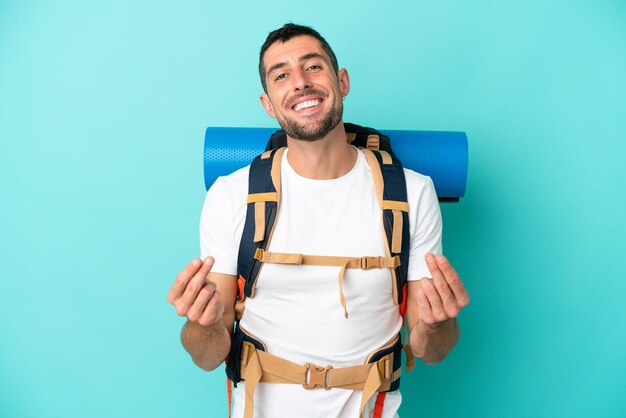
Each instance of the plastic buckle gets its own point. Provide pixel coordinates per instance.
(385, 365)
(368, 263)
(373, 142)
(318, 376)
(258, 254)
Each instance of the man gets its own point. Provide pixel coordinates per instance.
(328, 207)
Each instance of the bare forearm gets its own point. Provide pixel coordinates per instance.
(432, 343)
(208, 346)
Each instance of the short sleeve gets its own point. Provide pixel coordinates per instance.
(221, 221)
(425, 223)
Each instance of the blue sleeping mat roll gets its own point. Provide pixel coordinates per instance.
(439, 154)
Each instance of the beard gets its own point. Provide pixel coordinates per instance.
(313, 131)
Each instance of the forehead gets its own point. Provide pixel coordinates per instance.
(292, 50)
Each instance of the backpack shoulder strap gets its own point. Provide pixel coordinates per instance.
(262, 207)
(390, 186)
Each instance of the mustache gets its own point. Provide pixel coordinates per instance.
(298, 96)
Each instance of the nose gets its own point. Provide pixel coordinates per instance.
(301, 80)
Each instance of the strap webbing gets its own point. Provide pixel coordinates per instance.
(380, 404)
(275, 172)
(395, 205)
(396, 209)
(410, 359)
(262, 197)
(379, 186)
(376, 174)
(259, 200)
(386, 157)
(229, 391)
(396, 235)
(260, 366)
(253, 375)
(259, 221)
(363, 263)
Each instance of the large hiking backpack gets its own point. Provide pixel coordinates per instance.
(264, 197)
(440, 155)
(248, 358)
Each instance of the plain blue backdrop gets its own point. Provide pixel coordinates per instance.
(103, 107)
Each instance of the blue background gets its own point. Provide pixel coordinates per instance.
(103, 107)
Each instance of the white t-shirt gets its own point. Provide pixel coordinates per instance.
(296, 310)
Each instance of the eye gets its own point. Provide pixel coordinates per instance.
(314, 67)
(280, 76)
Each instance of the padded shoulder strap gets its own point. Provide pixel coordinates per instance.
(262, 207)
(391, 192)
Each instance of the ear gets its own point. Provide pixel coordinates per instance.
(344, 82)
(267, 105)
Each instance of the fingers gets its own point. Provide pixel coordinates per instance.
(445, 305)
(453, 281)
(180, 283)
(445, 294)
(434, 300)
(207, 308)
(200, 302)
(425, 310)
(188, 285)
(194, 286)
(213, 311)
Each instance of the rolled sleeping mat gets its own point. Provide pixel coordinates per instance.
(441, 155)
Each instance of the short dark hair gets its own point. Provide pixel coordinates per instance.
(288, 31)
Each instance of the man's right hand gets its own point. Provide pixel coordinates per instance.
(194, 296)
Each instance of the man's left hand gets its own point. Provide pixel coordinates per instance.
(443, 297)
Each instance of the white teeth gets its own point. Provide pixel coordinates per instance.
(308, 103)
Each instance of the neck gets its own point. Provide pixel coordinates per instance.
(329, 158)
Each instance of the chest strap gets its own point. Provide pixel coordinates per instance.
(260, 366)
(363, 263)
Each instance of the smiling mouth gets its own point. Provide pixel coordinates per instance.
(306, 104)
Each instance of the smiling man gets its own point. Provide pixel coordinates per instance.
(298, 349)
(317, 102)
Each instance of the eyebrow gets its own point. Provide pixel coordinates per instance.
(302, 58)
